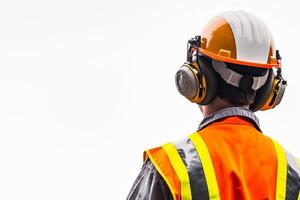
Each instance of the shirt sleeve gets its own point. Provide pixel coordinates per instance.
(149, 185)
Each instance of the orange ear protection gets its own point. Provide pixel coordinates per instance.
(196, 80)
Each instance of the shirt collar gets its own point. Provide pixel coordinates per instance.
(228, 112)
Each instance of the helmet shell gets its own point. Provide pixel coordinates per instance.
(241, 38)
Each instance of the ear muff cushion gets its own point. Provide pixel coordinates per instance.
(263, 94)
(210, 78)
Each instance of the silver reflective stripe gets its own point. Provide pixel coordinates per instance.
(293, 177)
(227, 112)
(292, 162)
(194, 167)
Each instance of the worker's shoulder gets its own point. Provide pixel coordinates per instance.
(179, 145)
(292, 161)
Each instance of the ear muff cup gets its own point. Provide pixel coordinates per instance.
(186, 81)
(196, 81)
(264, 93)
(280, 93)
(277, 93)
(211, 87)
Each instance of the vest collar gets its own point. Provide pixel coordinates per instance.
(228, 112)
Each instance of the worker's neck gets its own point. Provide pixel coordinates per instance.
(216, 105)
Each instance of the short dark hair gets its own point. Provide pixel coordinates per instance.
(235, 95)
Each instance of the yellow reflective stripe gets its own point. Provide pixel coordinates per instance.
(208, 168)
(180, 170)
(281, 171)
(162, 174)
(299, 196)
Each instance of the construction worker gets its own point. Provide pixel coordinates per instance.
(232, 70)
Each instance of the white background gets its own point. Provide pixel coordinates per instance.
(86, 86)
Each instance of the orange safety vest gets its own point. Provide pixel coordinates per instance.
(228, 159)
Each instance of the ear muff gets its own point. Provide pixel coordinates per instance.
(270, 95)
(196, 81)
(277, 94)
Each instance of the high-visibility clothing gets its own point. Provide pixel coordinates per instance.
(228, 158)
